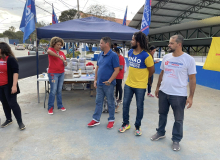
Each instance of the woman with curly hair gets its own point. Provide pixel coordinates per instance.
(57, 63)
(9, 85)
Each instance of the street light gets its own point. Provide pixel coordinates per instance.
(3, 20)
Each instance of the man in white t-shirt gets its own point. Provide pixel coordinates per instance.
(177, 67)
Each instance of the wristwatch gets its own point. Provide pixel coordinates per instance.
(108, 82)
(64, 61)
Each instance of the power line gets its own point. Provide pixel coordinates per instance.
(85, 5)
(51, 5)
(38, 7)
(64, 4)
(67, 4)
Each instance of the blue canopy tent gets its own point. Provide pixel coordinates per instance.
(86, 30)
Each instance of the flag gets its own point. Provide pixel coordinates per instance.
(54, 18)
(213, 59)
(125, 18)
(146, 19)
(28, 19)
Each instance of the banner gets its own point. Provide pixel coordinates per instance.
(146, 19)
(125, 18)
(213, 59)
(28, 19)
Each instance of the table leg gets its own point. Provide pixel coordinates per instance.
(91, 89)
(45, 93)
(38, 92)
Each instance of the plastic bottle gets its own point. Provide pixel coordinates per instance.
(80, 72)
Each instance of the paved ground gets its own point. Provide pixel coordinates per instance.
(65, 135)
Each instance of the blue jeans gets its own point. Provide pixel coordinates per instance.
(56, 84)
(128, 94)
(103, 91)
(178, 105)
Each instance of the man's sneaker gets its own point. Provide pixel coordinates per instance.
(7, 122)
(138, 132)
(93, 123)
(150, 95)
(156, 137)
(110, 124)
(124, 127)
(21, 126)
(176, 146)
(63, 109)
(50, 111)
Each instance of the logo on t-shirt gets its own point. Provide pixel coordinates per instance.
(173, 64)
(134, 62)
(170, 72)
(167, 62)
(3, 62)
(217, 54)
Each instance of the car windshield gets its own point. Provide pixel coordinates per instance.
(20, 45)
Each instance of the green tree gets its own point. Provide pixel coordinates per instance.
(99, 11)
(1, 35)
(19, 36)
(67, 15)
(12, 28)
(9, 34)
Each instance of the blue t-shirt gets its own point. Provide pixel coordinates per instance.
(106, 64)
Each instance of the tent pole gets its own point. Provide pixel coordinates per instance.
(124, 49)
(37, 60)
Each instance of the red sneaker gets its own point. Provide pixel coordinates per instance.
(50, 111)
(150, 95)
(110, 125)
(93, 123)
(63, 109)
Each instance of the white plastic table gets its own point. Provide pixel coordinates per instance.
(82, 79)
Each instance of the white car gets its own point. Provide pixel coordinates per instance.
(97, 52)
(30, 46)
(41, 51)
(19, 46)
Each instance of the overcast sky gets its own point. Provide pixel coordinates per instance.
(11, 10)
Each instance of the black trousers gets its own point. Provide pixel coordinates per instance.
(118, 88)
(9, 102)
(177, 103)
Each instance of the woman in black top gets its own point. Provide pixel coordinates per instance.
(9, 85)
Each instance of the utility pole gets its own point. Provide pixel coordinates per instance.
(78, 15)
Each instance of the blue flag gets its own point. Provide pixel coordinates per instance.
(54, 18)
(125, 18)
(146, 19)
(28, 19)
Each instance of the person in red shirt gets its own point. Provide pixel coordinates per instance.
(9, 85)
(119, 77)
(57, 63)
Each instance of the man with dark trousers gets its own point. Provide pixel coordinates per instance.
(177, 67)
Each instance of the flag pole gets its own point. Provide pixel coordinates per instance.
(52, 13)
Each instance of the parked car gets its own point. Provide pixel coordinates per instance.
(41, 51)
(27, 45)
(97, 52)
(30, 46)
(19, 46)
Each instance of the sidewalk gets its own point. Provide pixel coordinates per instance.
(65, 135)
